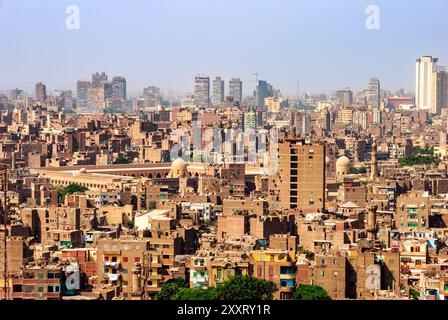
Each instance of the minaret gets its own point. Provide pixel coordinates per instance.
(371, 222)
(374, 163)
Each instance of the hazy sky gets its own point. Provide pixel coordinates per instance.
(322, 43)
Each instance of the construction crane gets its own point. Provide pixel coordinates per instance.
(257, 76)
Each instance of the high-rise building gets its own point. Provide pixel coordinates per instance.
(236, 90)
(300, 179)
(373, 95)
(306, 124)
(344, 97)
(93, 99)
(98, 97)
(426, 70)
(119, 88)
(82, 88)
(263, 91)
(202, 91)
(151, 97)
(252, 120)
(67, 100)
(218, 91)
(16, 94)
(97, 78)
(41, 92)
(440, 90)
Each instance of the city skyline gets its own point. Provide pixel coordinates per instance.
(174, 56)
(223, 150)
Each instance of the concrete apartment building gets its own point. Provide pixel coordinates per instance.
(278, 266)
(412, 211)
(118, 263)
(38, 283)
(300, 181)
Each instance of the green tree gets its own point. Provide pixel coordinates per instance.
(414, 294)
(122, 160)
(70, 189)
(152, 205)
(310, 292)
(420, 156)
(195, 294)
(308, 254)
(236, 288)
(245, 288)
(130, 224)
(354, 170)
(170, 288)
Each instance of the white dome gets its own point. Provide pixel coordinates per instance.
(343, 162)
(178, 168)
(178, 164)
(342, 167)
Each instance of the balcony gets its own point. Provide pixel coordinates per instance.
(200, 280)
(113, 264)
(112, 252)
(285, 276)
(155, 276)
(156, 265)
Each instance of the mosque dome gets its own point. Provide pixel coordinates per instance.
(342, 166)
(178, 168)
(343, 162)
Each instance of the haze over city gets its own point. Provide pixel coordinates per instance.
(227, 152)
(324, 44)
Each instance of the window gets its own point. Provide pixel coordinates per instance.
(286, 270)
(200, 262)
(137, 259)
(259, 272)
(17, 288)
(50, 289)
(322, 273)
(40, 289)
(290, 283)
(271, 271)
(125, 259)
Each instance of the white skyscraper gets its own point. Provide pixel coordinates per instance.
(426, 70)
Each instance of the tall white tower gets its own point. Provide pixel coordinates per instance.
(425, 69)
